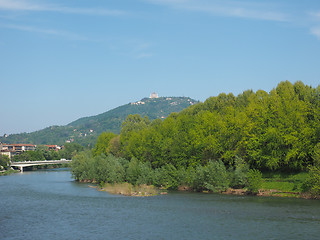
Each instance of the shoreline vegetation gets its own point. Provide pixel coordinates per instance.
(134, 178)
(127, 189)
(8, 172)
(263, 143)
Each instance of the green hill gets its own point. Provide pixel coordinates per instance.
(86, 130)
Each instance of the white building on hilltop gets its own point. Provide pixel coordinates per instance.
(154, 95)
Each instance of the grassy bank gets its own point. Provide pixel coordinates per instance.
(283, 184)
(278, 184)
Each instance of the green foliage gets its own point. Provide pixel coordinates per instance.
(103, 144)
(240, 173)
(107, 169)
(212, 177)
(312, 183)
(316, 154)
(70, 150)
(269, 131)
(80, 165)
(4, 162)
(102, 168)
(29, 156)
(285, 182)
(276, 131)
(216, 176)
(166, 177)
(254, 181)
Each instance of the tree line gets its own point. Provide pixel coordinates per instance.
(223, 142)
(214, 176)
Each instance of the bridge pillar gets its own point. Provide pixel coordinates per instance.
(21, 168)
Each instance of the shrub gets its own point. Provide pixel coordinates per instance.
(240, 173)
(213, 177)
(80, 165)
(254, 181)
(166, 177)
(312, 183)
(216, 176)
(108, 169)
(196, 178)
(139, 173)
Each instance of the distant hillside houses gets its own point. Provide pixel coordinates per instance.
(138, 103)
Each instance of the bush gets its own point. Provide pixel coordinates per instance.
(254, 181)
(81, 165)
(312, 183)
(212, 177)
(166, 177)
(240, 173)
(196, 178)
(102, 168)
(216, 176)
(139, 173)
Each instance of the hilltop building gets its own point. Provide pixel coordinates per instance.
(154, 95)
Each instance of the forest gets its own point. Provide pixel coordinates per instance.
(275, 131)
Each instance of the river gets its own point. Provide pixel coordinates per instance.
(49, 204)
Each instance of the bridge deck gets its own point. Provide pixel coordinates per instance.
(21, 165)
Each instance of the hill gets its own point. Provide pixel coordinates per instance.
(86, 130)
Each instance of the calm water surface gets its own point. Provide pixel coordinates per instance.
(50, 205)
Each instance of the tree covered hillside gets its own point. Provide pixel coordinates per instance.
(86, 130)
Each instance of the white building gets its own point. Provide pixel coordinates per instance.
(154, 95)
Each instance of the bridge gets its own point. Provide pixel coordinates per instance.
(21, 165)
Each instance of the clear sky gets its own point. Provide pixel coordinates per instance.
(65, 59)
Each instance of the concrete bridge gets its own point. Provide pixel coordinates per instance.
(21, 165)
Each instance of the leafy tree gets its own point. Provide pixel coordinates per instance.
(4, 161)
(240, 173)
(216, 176)
(316, 154)
(312, 183)
(166, 177)
(71, 149)
(103, 143)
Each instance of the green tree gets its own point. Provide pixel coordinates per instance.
(4, 162)
(254, 181)
(312, 183)
(70, 150)
(103, 143)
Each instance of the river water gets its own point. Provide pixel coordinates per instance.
(49, 204)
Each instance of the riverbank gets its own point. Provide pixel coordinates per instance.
(8, 172)
(128, 189)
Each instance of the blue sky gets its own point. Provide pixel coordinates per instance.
(62, 60)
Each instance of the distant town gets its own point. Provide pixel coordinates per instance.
(12, 150)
